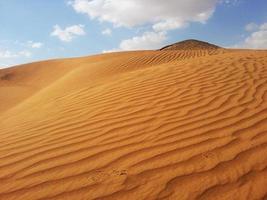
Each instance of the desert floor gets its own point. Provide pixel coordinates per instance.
(176, 124)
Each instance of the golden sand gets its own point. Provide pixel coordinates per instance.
(177, 124)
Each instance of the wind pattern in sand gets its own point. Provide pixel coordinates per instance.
(176, 124)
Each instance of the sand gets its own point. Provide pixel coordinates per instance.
(176, 124)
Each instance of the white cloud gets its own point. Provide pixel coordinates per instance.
(9, 58)
(25, 53)
(149, 40)
(146, 41)
(34, 45)
(13, 52)
(67, 34)
(169, 24)
(257, 39)
(230, 2)
(263, 26)
(160, 14)
(7, 54)
(251, 27)
(107, 31)
(157, 15)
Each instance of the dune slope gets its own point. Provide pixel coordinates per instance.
(176, 124)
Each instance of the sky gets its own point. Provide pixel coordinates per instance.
(32, 30)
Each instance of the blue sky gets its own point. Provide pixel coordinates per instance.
(45, 29)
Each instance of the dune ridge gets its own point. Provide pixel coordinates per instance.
(175, 124)
(191, 44)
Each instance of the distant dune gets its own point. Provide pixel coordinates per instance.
(188, 121)
(191, 45)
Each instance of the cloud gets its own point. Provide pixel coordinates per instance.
(25, 53)
(9, 58)
(230, 2)
(263, 26)
(251, 27)
(170, 24)
(7, 54)
(257, 39)
(67, 34)
(146, 41)
(34, 45)
(21, 52)
(149, 40)
(159, 14)
(107, 31)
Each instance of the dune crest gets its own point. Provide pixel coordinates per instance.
(181, 123)
(191, 45)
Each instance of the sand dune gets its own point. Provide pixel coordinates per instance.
(176, 124)
(191, 45)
